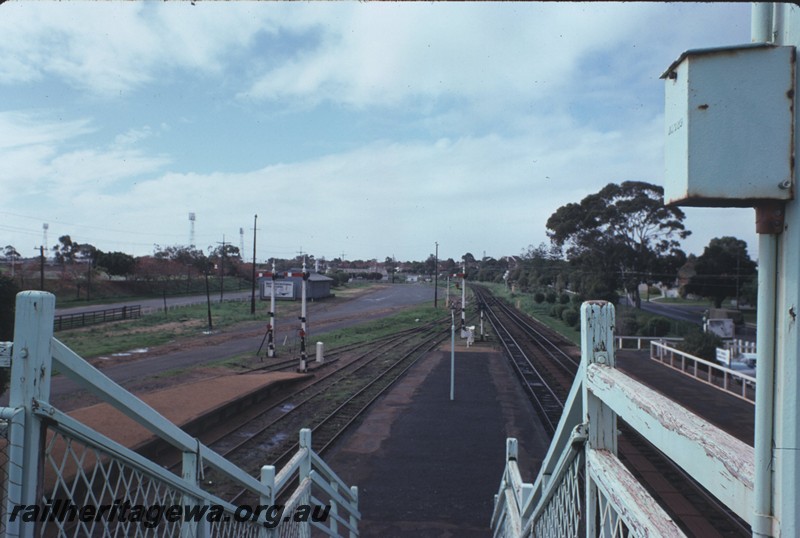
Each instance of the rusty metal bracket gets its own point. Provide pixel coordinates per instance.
(770, 217)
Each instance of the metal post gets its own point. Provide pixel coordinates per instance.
(253, 294)
(303, 356)
(267, 497)
(464, 302)
(597, 346)
(452, 353)
(354, 507)
(777, 440)
(435, 278)
(31, 367)
(767, 261)
(192, 529)
(271, 325)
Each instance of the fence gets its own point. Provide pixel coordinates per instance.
(62, 478)
(734, 382)
(582, 487)
(63, 322)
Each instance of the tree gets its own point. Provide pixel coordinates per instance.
(619, 237)
(116, 263)
(722, 270)
(66, 250)
(12, 256)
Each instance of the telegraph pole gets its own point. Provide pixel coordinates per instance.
(41, 268)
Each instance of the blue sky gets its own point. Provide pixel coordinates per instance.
(369, 129)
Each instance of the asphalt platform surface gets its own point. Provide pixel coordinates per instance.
(428, 466)
(727, 412)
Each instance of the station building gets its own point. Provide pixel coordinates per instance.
(290, 288)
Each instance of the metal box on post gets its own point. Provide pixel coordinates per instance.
(730, 126)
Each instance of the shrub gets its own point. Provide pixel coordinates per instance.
(563, 298)
(551, 297)
(657, 326)
(700, 344)
(571, 317)
(538, 297)
(557, 310)
(628, 326)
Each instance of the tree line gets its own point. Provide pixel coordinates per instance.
(609, 242)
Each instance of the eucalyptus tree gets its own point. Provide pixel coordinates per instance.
(723, 270)
(621, 236)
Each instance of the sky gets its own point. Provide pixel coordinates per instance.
(363, 130)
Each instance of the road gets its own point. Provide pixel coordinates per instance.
(157, 303)
(692, 314)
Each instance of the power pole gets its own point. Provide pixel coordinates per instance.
(41, 268)
(253, 296)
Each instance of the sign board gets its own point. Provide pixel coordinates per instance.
(723, 328)
(283, 290)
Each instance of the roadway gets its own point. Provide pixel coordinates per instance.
(690, 313)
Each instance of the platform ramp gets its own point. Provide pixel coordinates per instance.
(582, 488)
(61, 478)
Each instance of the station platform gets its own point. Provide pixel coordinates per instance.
(727, 412)
(191, 406)
(427, 466)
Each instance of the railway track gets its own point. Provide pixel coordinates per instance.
(547, 370)
(328, 406)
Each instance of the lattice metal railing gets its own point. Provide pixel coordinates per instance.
(561, 513)
(60, 478)
(583, 488)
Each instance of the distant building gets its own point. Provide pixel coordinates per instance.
(291, 288)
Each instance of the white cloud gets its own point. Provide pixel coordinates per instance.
(513, 109)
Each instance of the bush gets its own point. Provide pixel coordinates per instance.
(563, 298)
(701, 345)
(628, 326)
(557, 310)
(571, 317)
(578, 299)
(538, 297)
(657, 326)
(551, 297)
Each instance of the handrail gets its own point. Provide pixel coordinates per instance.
(583, 484)
(620, 340)
(666, 356)
(34, 355)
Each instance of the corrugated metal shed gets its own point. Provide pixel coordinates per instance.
(290, 288)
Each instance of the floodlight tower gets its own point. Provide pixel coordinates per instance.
(191, 229)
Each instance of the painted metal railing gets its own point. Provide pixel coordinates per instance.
(582, 488)
(61, 478)
(731, 381)
(641, 342)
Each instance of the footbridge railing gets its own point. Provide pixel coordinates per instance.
(583, 489)
(61, 478)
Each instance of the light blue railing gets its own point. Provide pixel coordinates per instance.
(52, 465)
(582, 487)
